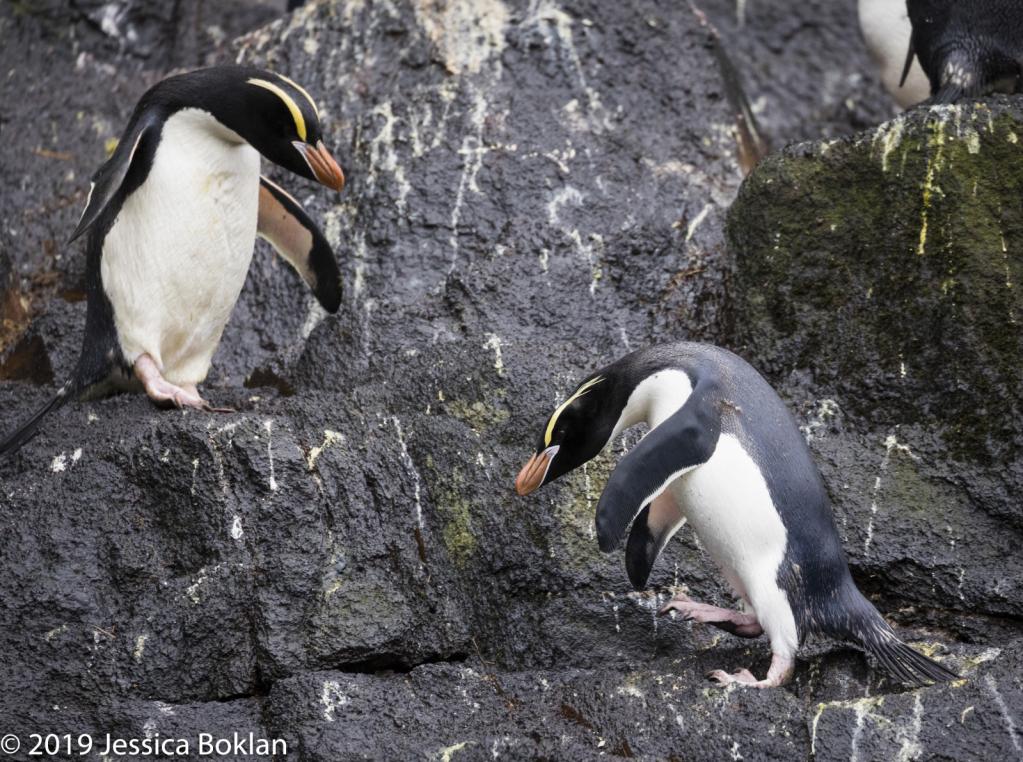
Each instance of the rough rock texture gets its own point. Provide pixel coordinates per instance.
(882, 273)
(343, 564)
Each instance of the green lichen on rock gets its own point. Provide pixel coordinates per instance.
(478, 414)
(579, 506)
(456, 506)
(896, 257)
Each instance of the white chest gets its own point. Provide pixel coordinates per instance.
(176, 257)
(728, 504)
(725, 500)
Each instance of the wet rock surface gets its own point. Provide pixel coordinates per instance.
(533, 191)
(914, 355)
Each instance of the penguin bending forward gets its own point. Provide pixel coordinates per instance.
(725, 455)
(967, 48)
(172, 220)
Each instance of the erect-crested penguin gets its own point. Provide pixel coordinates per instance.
(725, 454)
(886, 30)
(967, 49)
(172, 219)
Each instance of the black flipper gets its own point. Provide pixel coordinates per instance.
(653, 527)
(108, 178)
(683, 442)
(284, 223)
(909, 61)
(753, 145)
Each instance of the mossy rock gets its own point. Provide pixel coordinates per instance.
(889, 265)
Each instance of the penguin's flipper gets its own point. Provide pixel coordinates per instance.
(909, 61)
(752, 144)
(686, 440)
(653, 527)
(284, 223)
(108, 178)
(28, 429)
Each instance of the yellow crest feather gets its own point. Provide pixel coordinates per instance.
(296, 112)
(579, 393)
(302, 90)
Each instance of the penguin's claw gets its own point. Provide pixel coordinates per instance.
(208, 409)
(163, 392)
(743, 676)
(743, 625)
(780, 672)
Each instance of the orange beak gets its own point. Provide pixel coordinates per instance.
(322, 164)
(532, 474)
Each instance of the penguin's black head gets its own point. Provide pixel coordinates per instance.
(576, 431)
(271, 113)
(284, 126)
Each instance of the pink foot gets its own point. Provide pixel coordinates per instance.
(164, 393)
(779, 673)
(743, 625)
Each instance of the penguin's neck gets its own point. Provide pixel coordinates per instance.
(655, 399)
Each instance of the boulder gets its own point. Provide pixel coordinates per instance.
(878, 280)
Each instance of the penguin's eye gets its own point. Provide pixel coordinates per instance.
(558, 437)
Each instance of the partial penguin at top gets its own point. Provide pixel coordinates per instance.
(171, 222)
(967, 48)
(886, 30)
(724, 454)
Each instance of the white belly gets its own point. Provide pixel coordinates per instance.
(176, 257)
(727, 502)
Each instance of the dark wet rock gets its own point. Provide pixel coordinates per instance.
(181, 33)
(343, 564)
(878, 278)
(804, 66)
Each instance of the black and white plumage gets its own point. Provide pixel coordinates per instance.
(725, 455)
(172, 220)
(886, 30)
(967, 49)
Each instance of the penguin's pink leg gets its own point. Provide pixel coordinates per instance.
(743, 625)
(779, 673)
(162, 391)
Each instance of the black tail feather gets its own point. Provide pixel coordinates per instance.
(857, 620)
(28, 429)
(901, 660)
(913, 662)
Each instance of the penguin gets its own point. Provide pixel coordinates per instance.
(886, 30)
(724, 454)
(172, 220)
(967, 49)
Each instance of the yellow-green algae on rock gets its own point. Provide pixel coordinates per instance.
(895, 257)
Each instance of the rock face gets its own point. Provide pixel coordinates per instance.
(343, 565)
(884, 272)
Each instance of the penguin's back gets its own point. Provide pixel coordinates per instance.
(760, 494)
(175, 258)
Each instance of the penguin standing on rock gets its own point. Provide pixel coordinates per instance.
(725, 455)
(172, 219)
(967, 48)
